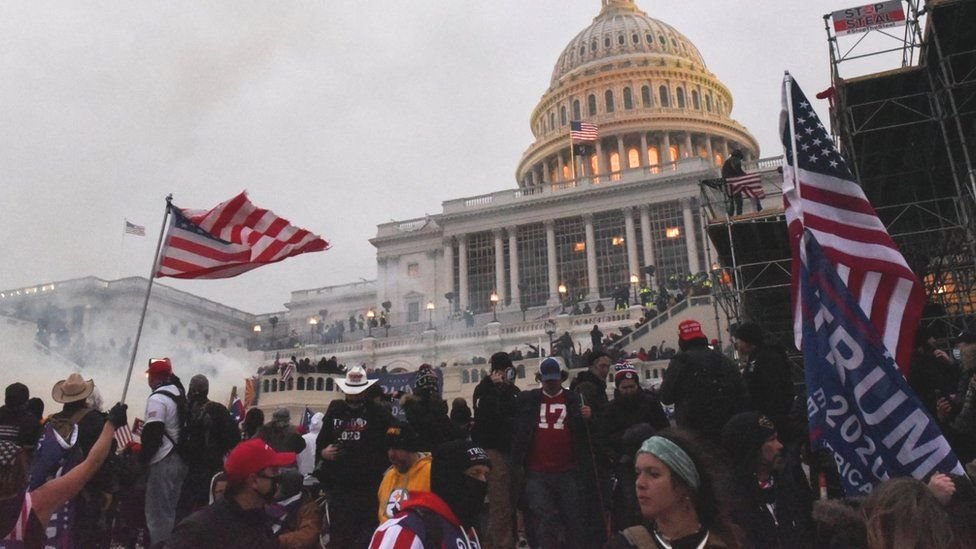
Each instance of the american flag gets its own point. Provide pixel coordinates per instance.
(583, 131)
(124, 435)
(288, 370)
(132, 228)
(232, 238)
(749, 185)
(820, 195)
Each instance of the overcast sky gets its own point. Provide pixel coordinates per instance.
(337, 115)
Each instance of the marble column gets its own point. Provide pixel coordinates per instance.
(601, 164)
(725, 149)
(513, 269)
(645, 158)
(630, 239)
(463, 271)
(449, 267)
(689, 148)
(665, 152)
(690, 242)
(551, 260)
(560, 165)
(621, 153)
(499, 265)
(545, 172)
(592, 279)
(710, 154)
(646, 242)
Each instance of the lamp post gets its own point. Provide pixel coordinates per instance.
(550, 330)
(312, 322)
(273, 321)
(257, 330)
(430, 315)
(370, 315)
(634, 279)
(562, 297)
(494, 306)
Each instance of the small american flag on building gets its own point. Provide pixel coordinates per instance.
(132, 228)
(583, 131)
(124, 435)
(230, 239)
(749, 185)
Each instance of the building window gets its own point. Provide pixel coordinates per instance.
(265, 386)
(274, 385)
(606, 42)
(695, 103)
(562, 115)
(664, 41)
(533, 264)
(413, 270)
(649, 37)
(291, 384)
(673, 149)
(582, 51)
(320, 384)
(608, 99)
(654, 159)
(481, 271)
(633, 158)
(646, 96)
(635, 39)
(708, 102)
(668, 239)
(621, 39)
(628, 99)
(614, 162)
(664, 99)
(413, 311)
(611, 253)
(577, 114)
(591, 104)
(681, 98)
(593, 46)
(572, 264)
(552, 120)
(595, 167)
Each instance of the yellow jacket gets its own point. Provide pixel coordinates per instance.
(396, 487)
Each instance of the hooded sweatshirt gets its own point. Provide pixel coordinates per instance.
(306, 459)
(424, 521)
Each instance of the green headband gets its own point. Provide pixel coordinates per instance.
(674, 457)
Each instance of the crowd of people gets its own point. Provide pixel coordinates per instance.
(593, 461)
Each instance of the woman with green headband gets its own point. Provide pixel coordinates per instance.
(676, 491)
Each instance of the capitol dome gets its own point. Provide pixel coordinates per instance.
(645, 86)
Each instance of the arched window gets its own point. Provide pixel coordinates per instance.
(274, 385)
(474, 375)
(291, 384)
(464, 377)
(520, 371)
(674, 153)
(653, 159)
(608, 99)
(582, 51)
(614, 162)
(301, 384)
(310, 384)
(718, 159)
(634, 38)
(708, 102)
(591, 105)
(606, 42)
(593, 45)
(567, 173)
(681, 98)
(695, 103)
(562, 115)
(552, 120)
(329, 384)
(663, 94)
(646, 96)
(628, 99)
(621, 39)
(266, 386)
(577, 114)
(633, 158)
(594, 164)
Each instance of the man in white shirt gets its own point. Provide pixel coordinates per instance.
(159, 439)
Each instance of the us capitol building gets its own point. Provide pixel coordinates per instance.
(572, 231)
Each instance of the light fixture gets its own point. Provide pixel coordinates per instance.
(257, 328)
(430, 313)
(494, 306)
(672, 232)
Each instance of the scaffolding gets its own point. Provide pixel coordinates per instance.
(908, 134)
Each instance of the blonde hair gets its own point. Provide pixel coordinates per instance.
(902, 513)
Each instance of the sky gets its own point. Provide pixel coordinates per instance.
(337, 115)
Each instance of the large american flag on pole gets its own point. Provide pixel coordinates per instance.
(583, 131)
(749, 185)
(234, 237)
(821, 196)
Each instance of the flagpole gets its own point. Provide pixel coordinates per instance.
(572, 156)
(788, 80)
(145, 303)
(118, 265)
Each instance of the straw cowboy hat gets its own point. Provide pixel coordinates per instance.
(72, 389)
(355, 381)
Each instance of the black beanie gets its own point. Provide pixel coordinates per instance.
(750, 332)
(500, 361)
(402, 436)
(743, 435)
(447, 479)
(17, 395)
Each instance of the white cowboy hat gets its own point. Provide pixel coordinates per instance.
(73, 389)
(355, 381)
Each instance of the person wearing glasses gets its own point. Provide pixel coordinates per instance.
(238, 520)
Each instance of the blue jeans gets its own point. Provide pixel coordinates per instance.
(553, 502)
(162, 494)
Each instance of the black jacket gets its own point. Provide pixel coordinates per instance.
(223, 525)
(360, 434)
(705, 388)
(495, 406)
(428, 416)
(624, 413)
(593, 390)
(788, 524)
(770, 383)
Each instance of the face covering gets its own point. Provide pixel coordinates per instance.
(957, 353)
(468, 500)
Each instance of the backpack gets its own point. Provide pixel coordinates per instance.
(183, 414)
(57, 450)
(713, 389)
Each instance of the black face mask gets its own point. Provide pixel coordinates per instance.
(468, 500)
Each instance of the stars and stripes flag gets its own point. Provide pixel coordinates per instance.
(749, 185)
(132, 228)
(583, 131)
(123, 436)
(232, 238)
(821, 196)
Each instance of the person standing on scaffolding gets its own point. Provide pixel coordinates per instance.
(732, 168)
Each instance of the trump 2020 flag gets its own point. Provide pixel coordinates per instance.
(232, 238)
(859, 406)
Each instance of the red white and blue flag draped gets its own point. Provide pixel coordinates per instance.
(820, 195)
(859, 406)
(749, 185)
(230, 239)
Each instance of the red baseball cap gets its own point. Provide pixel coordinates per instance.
(690, 329)
(252, 455)
(160, 367)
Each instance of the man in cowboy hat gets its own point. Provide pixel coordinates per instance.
(72, 393)
(352, 451)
